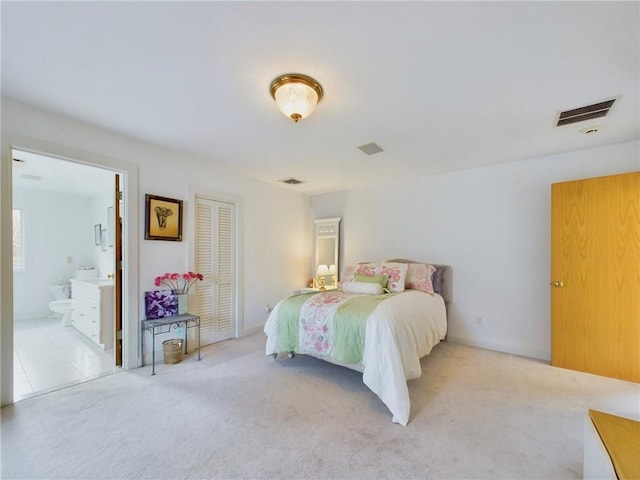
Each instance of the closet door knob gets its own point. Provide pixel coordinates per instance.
(557, 284)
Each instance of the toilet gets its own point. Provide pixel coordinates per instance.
(61, 306)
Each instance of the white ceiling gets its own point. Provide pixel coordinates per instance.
(40, 172)
(439, 86)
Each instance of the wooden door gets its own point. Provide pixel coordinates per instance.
(215, 259)
(117, 281)
(595, 269)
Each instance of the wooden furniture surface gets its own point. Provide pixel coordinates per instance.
(92, 311)
(595, 268)
(313, 289)
(621, 438)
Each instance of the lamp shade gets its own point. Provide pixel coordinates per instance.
(296, 95)
(322, 270)
(332, 269)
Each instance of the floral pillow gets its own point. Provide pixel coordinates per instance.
(419, 277)
(395, 271)
(348, 272)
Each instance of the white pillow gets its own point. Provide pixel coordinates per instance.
(362, 287)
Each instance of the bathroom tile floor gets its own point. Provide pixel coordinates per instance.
(48, 356)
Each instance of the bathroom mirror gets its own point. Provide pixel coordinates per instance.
(327, 243)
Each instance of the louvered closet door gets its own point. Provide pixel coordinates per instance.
(215, 259)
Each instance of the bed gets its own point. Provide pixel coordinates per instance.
(398, 328)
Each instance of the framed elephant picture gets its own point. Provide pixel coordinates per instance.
(163, 218)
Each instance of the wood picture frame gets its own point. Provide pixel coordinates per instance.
(163, 218)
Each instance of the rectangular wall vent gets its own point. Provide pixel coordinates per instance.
(292, 181)
(585, 113)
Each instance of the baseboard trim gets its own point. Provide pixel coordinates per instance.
(251, 330)
(521, 350)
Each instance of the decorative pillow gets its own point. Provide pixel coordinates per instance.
(349, 270)
(395, 271)
(436, 280)
(347, 274)
(419, 277)
(381, 279)
(367, 288)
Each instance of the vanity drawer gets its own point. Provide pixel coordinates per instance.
(85, 306)
(89, 326)
(92, 311)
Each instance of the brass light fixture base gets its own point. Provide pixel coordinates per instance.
(296, 78)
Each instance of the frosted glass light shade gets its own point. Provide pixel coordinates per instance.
(296, 95)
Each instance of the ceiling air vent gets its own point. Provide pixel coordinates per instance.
(585, 113)
(370, 148)
(292, 181)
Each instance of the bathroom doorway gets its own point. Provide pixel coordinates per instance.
(64, 242)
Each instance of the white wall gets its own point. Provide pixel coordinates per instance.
(491, 224)
(56, 227)
(58, 239)
(276, 229)
(277, 241)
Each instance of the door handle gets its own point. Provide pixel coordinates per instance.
(557, 284)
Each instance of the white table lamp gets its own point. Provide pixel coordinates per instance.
(320, 273)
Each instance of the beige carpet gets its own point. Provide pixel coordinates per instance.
(239, 414)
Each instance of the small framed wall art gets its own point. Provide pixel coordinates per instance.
(163, 219)
(97, 234)
(110, 227)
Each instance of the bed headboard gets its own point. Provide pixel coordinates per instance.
(447, 277)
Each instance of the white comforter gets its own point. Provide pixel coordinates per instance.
(401, 330)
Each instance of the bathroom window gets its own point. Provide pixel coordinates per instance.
(18, 241)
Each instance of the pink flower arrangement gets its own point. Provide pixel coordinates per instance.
(179, 282)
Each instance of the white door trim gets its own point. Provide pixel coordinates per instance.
(130, 304)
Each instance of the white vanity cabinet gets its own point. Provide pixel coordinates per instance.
(92, 310)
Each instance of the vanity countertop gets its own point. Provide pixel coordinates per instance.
(99, 282)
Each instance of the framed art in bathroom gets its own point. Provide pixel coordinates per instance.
(110, 226)
(163, 218)
(97, 234)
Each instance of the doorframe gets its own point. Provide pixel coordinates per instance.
(190, 219)
(130, 241)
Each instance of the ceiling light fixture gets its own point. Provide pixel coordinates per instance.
(296, 95)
